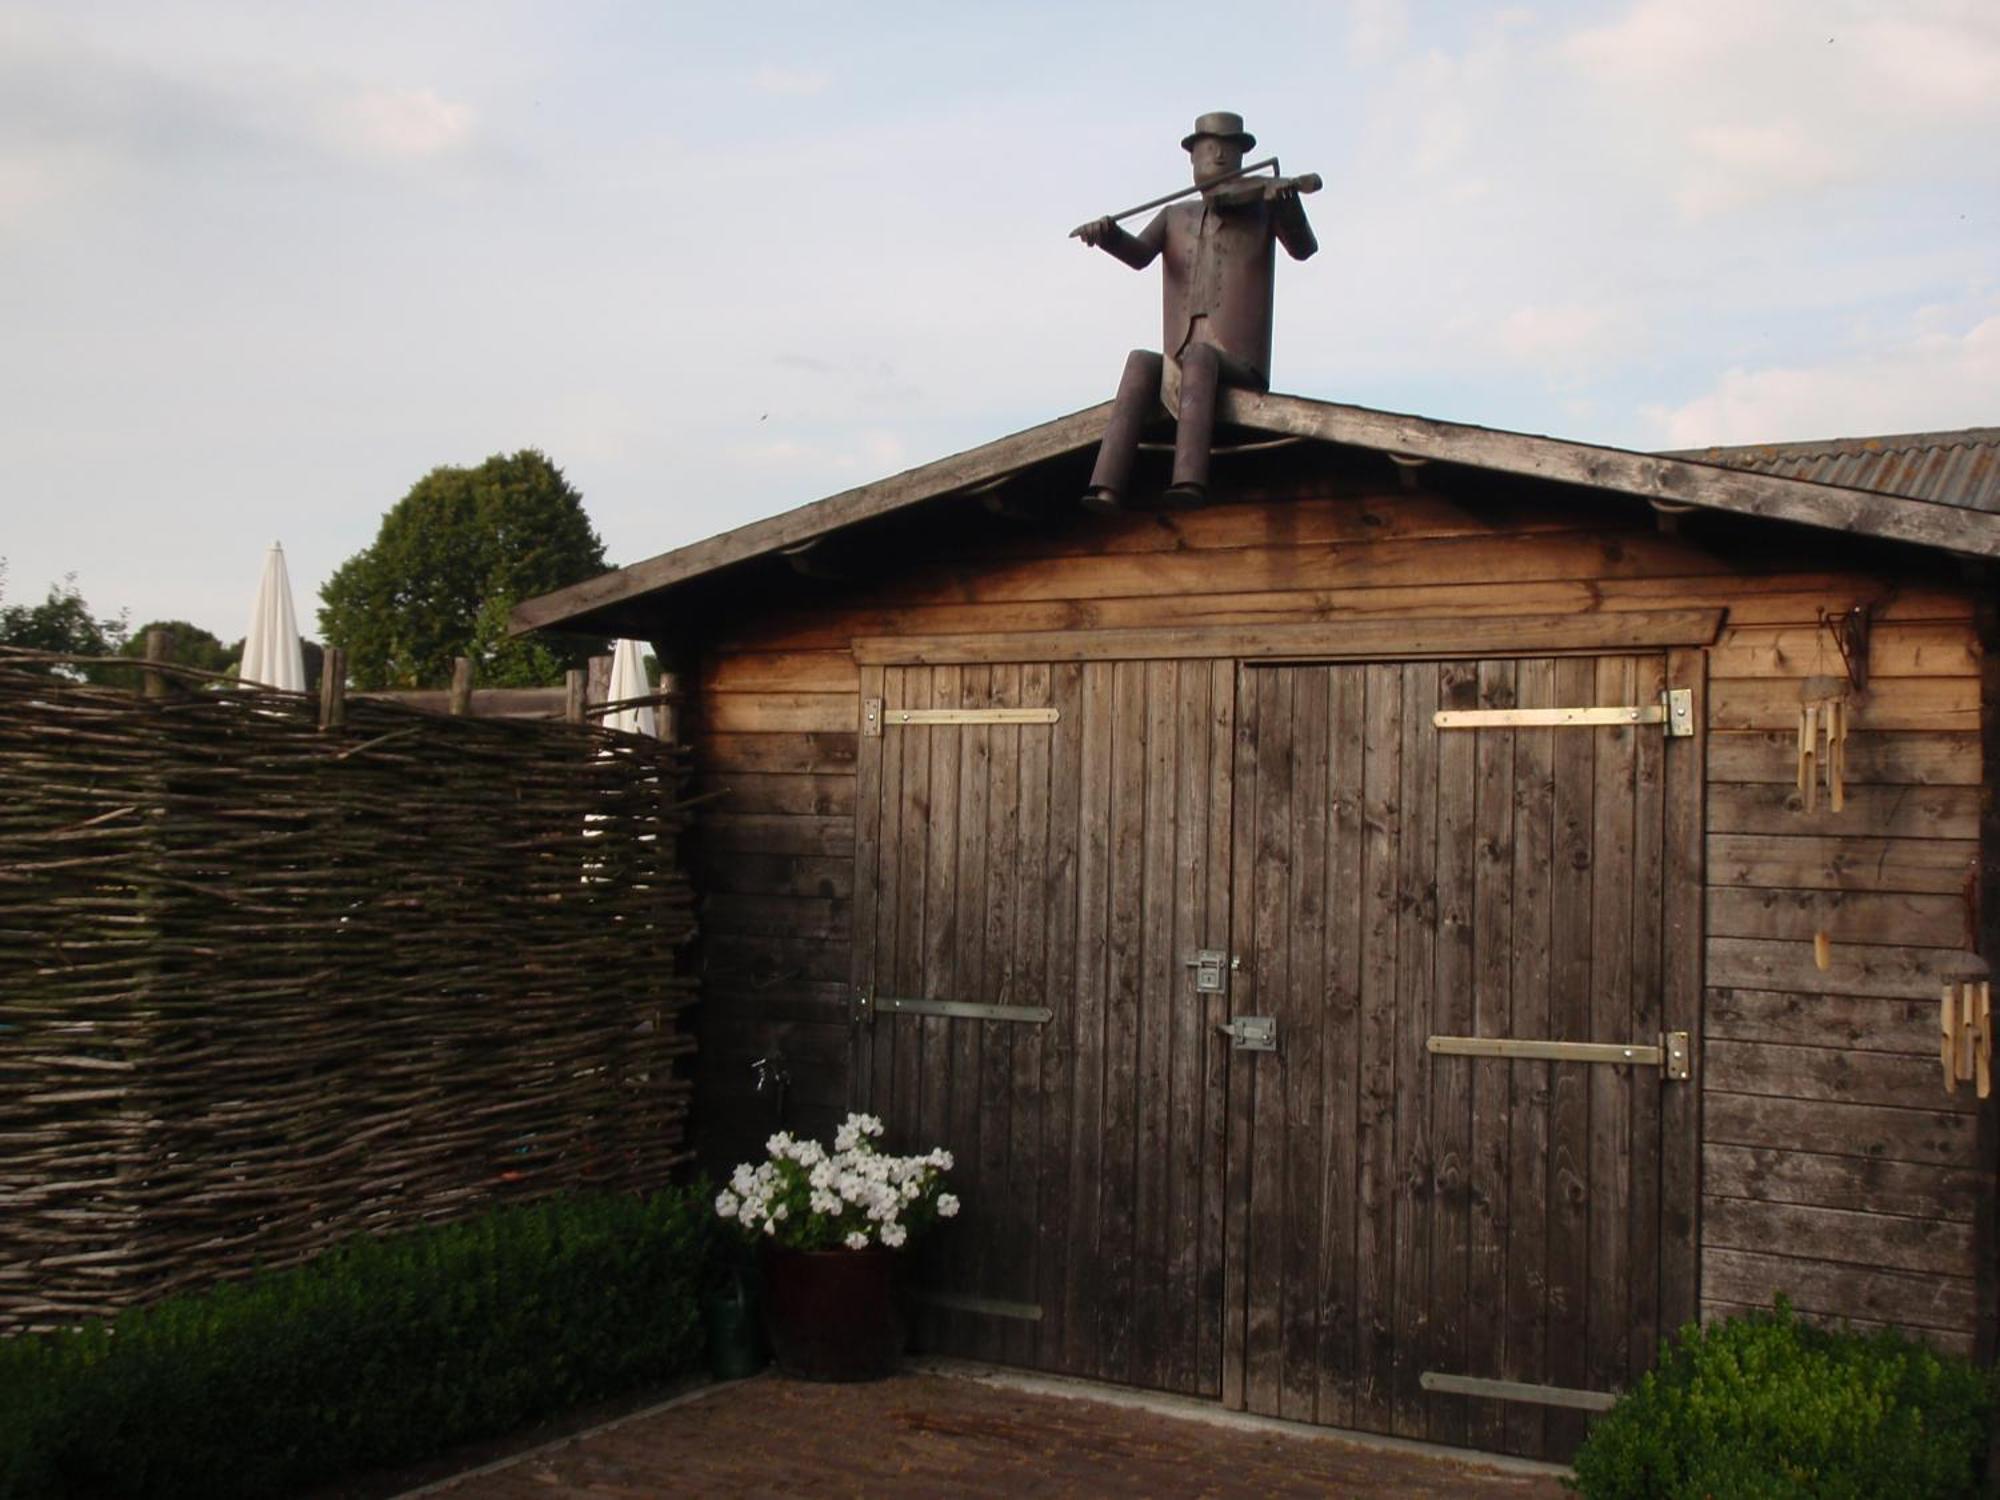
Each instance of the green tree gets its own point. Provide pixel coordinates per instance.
(191, 645)
(62, 622)
(450, 561)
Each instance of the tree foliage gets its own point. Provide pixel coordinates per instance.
(449, 563)
(191, 646)
(61, 622)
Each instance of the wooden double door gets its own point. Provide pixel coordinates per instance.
(1359, 1224)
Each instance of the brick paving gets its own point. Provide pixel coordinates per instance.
(933, 1435)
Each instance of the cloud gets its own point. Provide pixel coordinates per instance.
(1564, 333)
(1736, 105)
(774, 78)
(400, 124)
(1934, 378)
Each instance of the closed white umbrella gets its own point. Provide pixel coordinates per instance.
(271, 652)
(628, 680)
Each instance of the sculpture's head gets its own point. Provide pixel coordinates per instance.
(1217, 145)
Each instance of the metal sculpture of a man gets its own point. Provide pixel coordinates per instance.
(1218, 273)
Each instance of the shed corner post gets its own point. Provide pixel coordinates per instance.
(1986, 1223)
(1684, 997)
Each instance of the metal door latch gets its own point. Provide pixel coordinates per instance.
(1209, 965)
(1252, 1033)
(1680, 712)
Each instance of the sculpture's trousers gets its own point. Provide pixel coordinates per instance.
(1139, 398)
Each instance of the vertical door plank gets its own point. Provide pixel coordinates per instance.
(1416, 948)
(1301, 1028)
(1492, 974)
(1340, 1077)
(1030, 987)
(1186, 843)
(913, 879)
(1642, 1280)
(1083, 1290)
(1211, 1048)
(1375, 1133)
(1271, 893)
(1569, 1001)
(1526, 1356)
(868, 872)
(940, 961)
(1245, 995)
(1155, 1323)
(1451, 1077)
(1057, 1224)
(1116, 1182)
(994, 1119)
(961, 1103)
(1680, 1112)
(897, 815)
(1613, 836)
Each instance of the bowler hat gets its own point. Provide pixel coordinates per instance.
(1224, 126)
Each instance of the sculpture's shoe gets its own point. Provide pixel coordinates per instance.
(1097, 497)
(1187, 494)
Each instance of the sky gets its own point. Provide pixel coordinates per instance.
(263, 266)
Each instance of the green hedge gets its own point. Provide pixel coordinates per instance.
(1768, 1407)
(381, 1352)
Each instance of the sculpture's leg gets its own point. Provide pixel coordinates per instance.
(1138, 398)
(1194, 432)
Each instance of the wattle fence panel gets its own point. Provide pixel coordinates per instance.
(264, 985)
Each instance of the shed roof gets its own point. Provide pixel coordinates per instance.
(1952, 468)
(1782, 482)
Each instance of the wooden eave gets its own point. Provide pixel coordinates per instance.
(1678, 481)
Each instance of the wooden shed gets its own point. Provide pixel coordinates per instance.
(1368, 940)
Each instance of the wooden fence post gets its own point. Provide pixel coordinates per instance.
(461, 685)
(333, 688)
(159, 646)
(573, 686)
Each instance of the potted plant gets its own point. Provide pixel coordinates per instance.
(830, 1224)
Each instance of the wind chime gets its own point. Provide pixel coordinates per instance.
(1965, 1041)
(1823, 742)
(1824, 708)
(1824, 711)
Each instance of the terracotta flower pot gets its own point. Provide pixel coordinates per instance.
(833, 1314)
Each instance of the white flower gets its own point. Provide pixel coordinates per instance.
(947, 1206)
(770, 1226)
(781, 1211)
(726, 1204)
(779, 1144)
(742, 1180)
(893, 1235)
(858, 1240)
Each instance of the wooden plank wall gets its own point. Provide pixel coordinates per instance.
(1835, 1167)
(1827, 1131)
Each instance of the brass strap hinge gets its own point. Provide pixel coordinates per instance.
(867, 1007)
(874, 716)
(1517, 1390)
(1675, 710)
(1672, 1053)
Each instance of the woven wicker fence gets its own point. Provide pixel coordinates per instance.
(264, 985)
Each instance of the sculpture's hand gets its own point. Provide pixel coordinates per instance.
(1284, 191)
(1096, 232)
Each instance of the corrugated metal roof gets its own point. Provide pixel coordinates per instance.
(1952, 468)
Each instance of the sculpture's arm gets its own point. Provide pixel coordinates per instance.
(1137, 250)
(1288, 221)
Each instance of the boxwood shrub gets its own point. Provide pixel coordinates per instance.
(381, 1352)
(1767, 1407)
